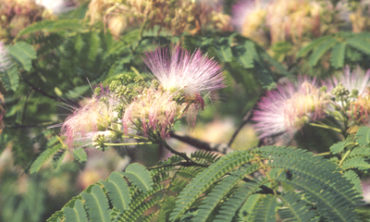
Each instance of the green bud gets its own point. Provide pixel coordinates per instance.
(99, 141)
(340, 92)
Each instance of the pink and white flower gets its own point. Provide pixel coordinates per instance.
(153, 110)
(88, 121)
(355, 80)
(289, 107)
(180, 70)
(358, 105)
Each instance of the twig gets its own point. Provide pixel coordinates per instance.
(21, 126)
(42, 92)
(221, 148)
(246, 119)
(183, 155)
(185, 164)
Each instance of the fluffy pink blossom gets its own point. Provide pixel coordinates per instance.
(359, 106)
(153, 110)
(193, 73)
(87, 121)
(355, 80)
(4, 58)
(289, 107)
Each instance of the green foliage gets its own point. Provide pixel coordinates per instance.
(299, 211)
(263, 210)
(10, 78)
(310, 175)
(206, 178)
(23, 53)
(363, 136)
(293, 184)
(96, 203)
(54, 146)
(77, 213)
(139, 176)
(60, 26)
(112, 199)
(80, 154)
(338, 44)
(118, 191)
(58, 62)
(353, 154)
(231, 206)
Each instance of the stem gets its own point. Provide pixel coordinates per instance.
(42, 92)
(323, 154)
(185, 164)
(344, 157)
(324, 126)
(183, 155)
(199, 144)
(127, 144)
(246, 119)
(127, 136)
(21, 126)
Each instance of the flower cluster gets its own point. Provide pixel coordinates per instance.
(351, 93)
(174, 16)
(134, 109)
(89, 120)
(154, 109)
(192, 73)
(269, 22)
(288, 108)
(16, 15)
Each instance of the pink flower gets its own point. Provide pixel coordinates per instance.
(153, 110)
(289, 107)
(355, 80)
(193, 73)
(88, 121)
(4, 58)
(358, 108)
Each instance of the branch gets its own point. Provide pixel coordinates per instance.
(21, 126)
(42, 92)
(246, 119)
(183, 155)
(184, 164)
(221, 148)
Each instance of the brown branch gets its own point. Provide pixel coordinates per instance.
(21, 126)
(199, 144)
(184, 164)
(183, 155)
(42, 92)
(247, 117)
